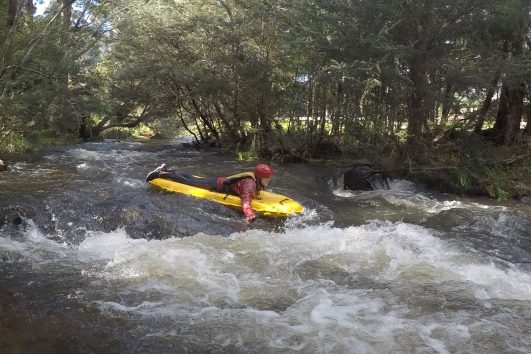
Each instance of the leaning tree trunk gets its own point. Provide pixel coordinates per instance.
(417, 111)
(14, 11)
(510, 112)
(511, 106)
(527, 131)
(486, 104)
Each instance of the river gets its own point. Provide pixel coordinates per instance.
(105, 263)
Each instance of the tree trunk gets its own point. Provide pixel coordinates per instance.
(486, 104)
(336, 117)
(527, 131)
(67, 12)
(204, 119)
(232, 131)
(417, 114)
(446, 104)
(12, 6)
(509, 114)
(30, 8)
(14, 11)
(309, 106)
(511, 106)
(323, 115)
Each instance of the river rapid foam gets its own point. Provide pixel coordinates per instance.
(103, 262)
(378, 287)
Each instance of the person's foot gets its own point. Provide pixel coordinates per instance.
(155, 173)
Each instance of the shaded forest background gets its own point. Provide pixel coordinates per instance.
(435, 89)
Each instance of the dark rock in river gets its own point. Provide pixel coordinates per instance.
(364, 178)
(10, 217)
(3, 165)
(449, 219)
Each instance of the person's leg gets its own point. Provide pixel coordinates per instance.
(155, 173)
(185, 178)
(176, 176)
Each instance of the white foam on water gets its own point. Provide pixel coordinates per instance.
(84, 156)
(212, 278)
(418, 201)
(278, 286)
(386, 250)
(115, 155)
(122, 308)
(402, 193)
(35, 246)
(129, 182)
(501, 225)
(19, 166)
(401, 185)
(301, 220)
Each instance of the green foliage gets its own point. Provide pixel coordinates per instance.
(495, 180)
(463, 179)
(31, 141)
(246, 155)
(15, 143)
(255, 77)
(142, 131)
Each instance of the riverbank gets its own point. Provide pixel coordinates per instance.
(467, 165)
(470, 165)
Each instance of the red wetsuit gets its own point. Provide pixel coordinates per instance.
(246, 188)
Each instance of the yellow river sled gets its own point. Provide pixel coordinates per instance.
(266, 203)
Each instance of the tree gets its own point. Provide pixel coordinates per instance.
(512, 23)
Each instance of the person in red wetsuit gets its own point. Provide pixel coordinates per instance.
(246, 185)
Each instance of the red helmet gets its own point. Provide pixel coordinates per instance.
(263, 170)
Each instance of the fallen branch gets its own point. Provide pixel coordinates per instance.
(509, 161)
(49, 76)
(505, 162)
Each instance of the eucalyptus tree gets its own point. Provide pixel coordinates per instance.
(212, 65)
(393, 62)
(14, 19)
(511, 28)
(239, 67)
(80, 37)
(46, 81)
(153, 69)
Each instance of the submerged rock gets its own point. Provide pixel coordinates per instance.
(526, 200)
(10, 217)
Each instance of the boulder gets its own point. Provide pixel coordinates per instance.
(364, 178)
(3, 165)
(10, 217)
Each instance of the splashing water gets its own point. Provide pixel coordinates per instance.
(311, 283)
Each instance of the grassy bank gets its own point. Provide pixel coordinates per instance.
(471, 165)
(463, 165)
(16, 143)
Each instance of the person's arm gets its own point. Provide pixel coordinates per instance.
(247, 192)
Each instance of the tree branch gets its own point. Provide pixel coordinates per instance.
(34, 41)
(30, 70)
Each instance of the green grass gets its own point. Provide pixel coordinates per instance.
(17, 142)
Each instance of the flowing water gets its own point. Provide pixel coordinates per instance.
(105, 263)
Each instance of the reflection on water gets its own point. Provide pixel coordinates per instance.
(101, 265)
